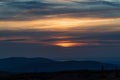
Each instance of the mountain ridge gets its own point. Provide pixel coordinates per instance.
(19, 64)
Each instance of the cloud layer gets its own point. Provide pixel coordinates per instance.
(55, 24)
(29, 9)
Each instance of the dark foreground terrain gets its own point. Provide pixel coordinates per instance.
(65, 75)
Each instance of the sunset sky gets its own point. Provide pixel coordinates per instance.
(60, 29)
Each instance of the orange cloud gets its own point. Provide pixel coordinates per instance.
(61, 24)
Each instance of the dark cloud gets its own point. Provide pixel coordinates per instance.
(37, 37)
(22, 10)
(98, 2)
(27, 10)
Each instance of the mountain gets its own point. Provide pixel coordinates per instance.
(25, 60)
(48, 65)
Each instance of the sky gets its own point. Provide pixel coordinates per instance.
(60, 29)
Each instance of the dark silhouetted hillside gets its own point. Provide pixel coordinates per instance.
(66, 75)
(47, 65)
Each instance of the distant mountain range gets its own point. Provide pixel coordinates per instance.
(48, 65)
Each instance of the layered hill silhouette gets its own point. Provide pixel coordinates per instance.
(19, 64)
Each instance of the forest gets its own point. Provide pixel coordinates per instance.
(64, 75)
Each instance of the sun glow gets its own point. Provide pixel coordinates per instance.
(68, 44)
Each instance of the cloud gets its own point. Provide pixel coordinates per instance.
(29, 10)
(40, 27)
(9, 49)
(52, 38)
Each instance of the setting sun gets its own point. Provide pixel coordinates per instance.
(66, 44)
(69, 44)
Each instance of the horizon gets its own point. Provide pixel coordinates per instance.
(103, 59)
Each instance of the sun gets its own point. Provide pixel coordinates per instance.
(66, 44)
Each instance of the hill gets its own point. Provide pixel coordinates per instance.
(48, 65)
